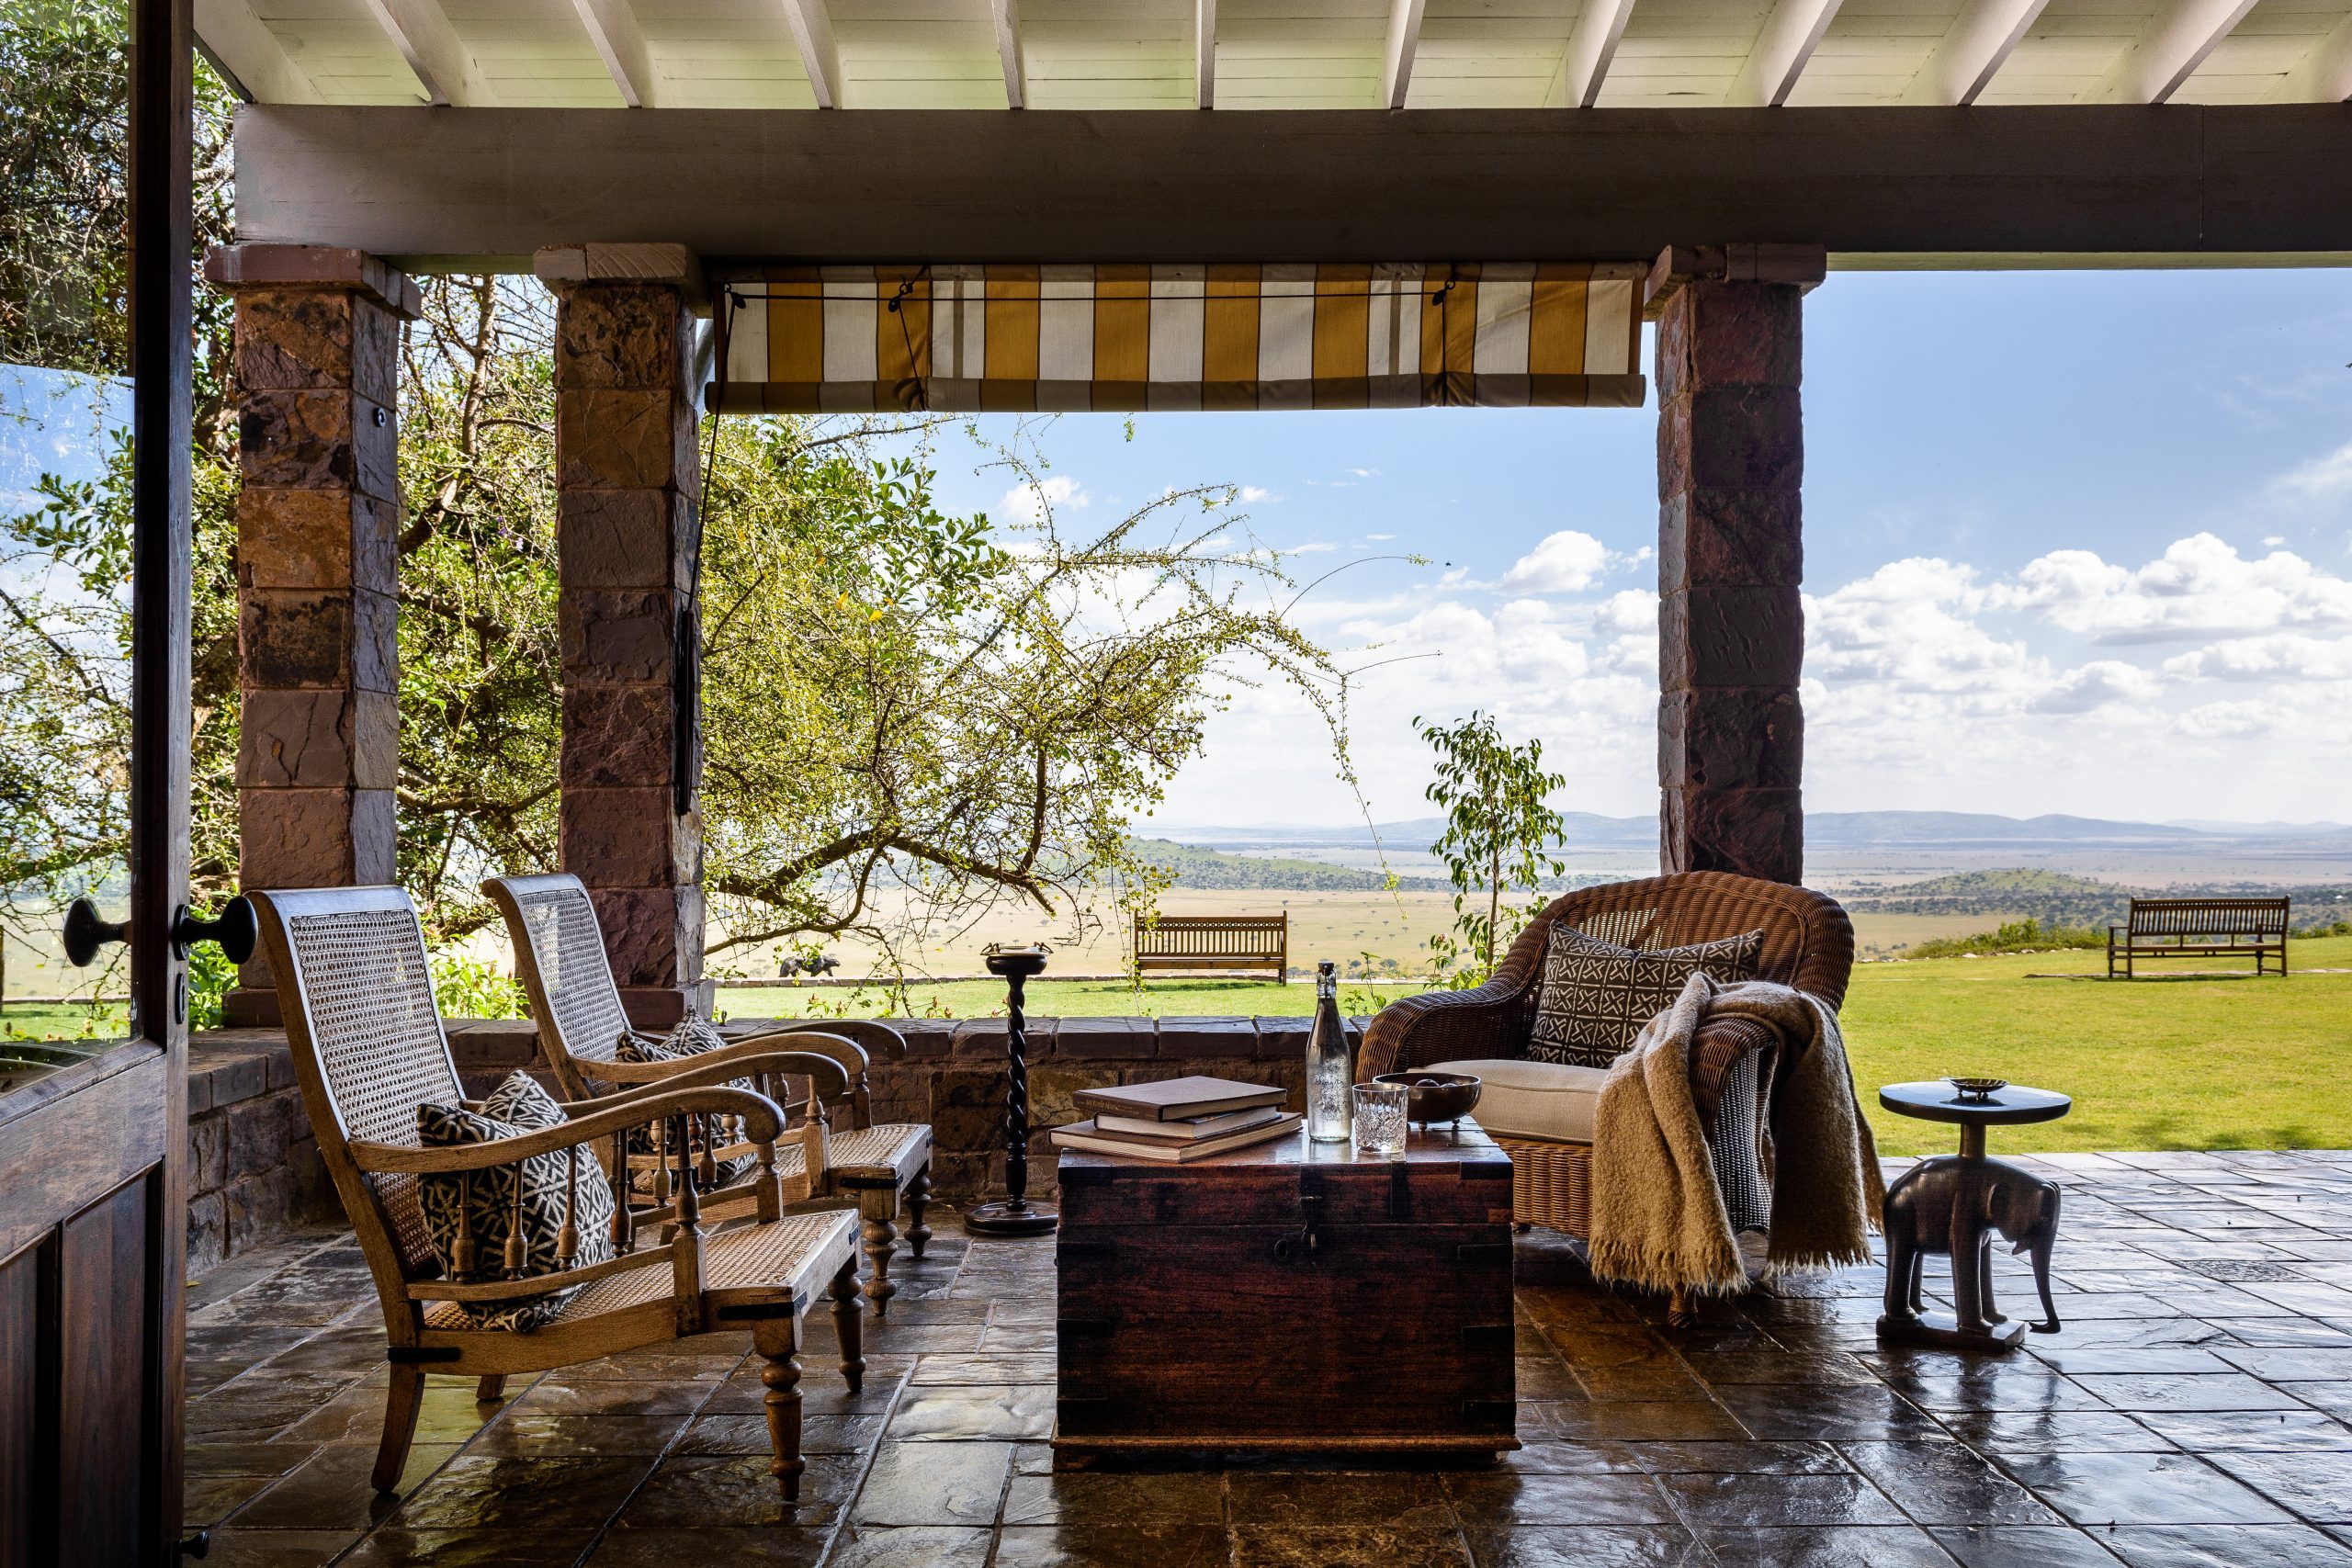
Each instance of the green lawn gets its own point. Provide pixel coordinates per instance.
(2158, 1064)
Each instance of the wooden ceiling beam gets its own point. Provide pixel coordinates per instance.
(1592, 44)
(1008, 49)
(620, 43)
(1982, 37)
(248, 55)
(812, 30)
(1789, 36)
(2322, 77)
(443, 66)
(1404, 43)
(1204, 54)
(2152, 70)
(2003, 186)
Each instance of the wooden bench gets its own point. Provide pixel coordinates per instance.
(1214, 941)
(2200, 928)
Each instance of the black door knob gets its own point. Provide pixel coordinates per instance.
(85, 932)
(235, 928)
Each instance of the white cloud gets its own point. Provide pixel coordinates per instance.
(1030, 503)
(1364, 473)
(2094, 685)
(2199, 587)
(1250, 494)
(1380, 538)
(1564, 562)
(1320, 547)
(2318, 480)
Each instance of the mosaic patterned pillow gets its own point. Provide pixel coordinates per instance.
(1596, 996)
(517, 1106)
(692, 1037)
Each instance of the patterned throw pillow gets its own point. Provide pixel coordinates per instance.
(516, 1107)
(692, 1037)
(1596, 996)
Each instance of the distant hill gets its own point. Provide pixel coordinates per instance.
(2055, 898)
(1199, 868)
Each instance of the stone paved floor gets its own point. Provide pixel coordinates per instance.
(2194, 1411)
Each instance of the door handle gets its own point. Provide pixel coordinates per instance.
(235, 928)
(85, 932)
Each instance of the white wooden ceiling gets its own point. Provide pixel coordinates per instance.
(1273, 54)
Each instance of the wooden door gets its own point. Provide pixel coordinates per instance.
(93, 1185)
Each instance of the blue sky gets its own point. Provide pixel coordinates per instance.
(2076, 542)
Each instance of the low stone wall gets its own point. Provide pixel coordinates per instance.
(254, 1169)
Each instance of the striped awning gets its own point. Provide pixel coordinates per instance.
(1071, 339)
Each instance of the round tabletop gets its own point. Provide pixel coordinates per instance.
(1938, 1101)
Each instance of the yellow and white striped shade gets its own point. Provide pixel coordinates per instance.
(1071, 339)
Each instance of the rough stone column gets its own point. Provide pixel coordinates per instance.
(627, 468)
(317, 338)
(1731, 556)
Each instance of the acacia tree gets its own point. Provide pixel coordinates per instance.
(1500, 833)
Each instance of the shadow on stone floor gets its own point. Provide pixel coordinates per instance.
(2194, 1412)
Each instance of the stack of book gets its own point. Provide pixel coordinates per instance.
(1177, 1118)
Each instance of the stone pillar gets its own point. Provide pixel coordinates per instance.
(318, 337)
(1731, 625)
(627, 468)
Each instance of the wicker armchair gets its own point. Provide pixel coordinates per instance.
(1808, 944)
(368, 1048)
(559, 956)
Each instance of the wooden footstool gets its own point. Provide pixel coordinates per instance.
(1289, 1297)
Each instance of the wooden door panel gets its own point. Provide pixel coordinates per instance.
(21, 1395)
(103, 1295)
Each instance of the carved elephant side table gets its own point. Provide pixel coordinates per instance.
(1955, 1204)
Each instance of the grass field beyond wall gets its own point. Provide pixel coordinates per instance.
(2172, 1060)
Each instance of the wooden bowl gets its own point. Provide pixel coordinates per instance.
(1436, 1097)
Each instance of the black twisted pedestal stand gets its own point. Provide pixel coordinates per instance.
(1014, 1214)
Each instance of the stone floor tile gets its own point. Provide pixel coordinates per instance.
(236, 1547)
(1556, 1499)
(1760, 1500)
(2139, 1489)
(2291, 1364)
(930, 1372)
(749, 1435)
(524, 1434)
(1839, 1413)
(1095, 1498)
(1826, 1546)
(206, 1500)
(2313, 1487)
(2056, 1431)
(245, 1458)
(488, 1493)
(1586, 1546)
(1571, 1458)
(739, 1491)
(934, 1483)
(504, 1547)
(450, 1415)
(333, 1489)
(1669, 1421)
(2285, 1431)
(762, 1547)
(961, 1413)
(608, 1397)
(1111, 1546)
(1946, 1484)
(2207, 1391)
(1780, 1366)
(2022, 1546)
(1348, 1546)
(2226, 1546)
(1739, 1458)
(868, 1546)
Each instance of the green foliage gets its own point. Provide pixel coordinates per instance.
(1196, 868)
(1499, 831)
(2015, 936)
(210, 978)
(466, 987)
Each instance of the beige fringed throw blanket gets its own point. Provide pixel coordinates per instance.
(1657, 1218)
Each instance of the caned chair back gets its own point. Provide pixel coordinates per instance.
(559, 955)
(1808, 941)
(357, 994)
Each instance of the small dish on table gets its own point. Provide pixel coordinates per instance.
(1431, 1097)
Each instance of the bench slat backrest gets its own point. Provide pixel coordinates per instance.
(2209, 917)
(1207, 936)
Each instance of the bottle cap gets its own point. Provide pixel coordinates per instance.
(1324, 967)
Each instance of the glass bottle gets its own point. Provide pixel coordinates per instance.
(1330, 1071)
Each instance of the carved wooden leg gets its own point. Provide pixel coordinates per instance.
(403, 1399)
(850, 1326)
(918, 1200)
(491, 1389)
(778, 1339)
(877, 1207)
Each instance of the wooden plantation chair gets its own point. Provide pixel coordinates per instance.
(1542, 1114)
(559, 956)
(369, 1047)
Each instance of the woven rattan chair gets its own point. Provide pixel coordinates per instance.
(368, 1048)
(1808, 944)
(559, 956)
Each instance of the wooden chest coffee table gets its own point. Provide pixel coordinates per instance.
(1288, 1297)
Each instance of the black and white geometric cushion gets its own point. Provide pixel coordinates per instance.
(692, 1036)
(517, 1106)
(1597, 995)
